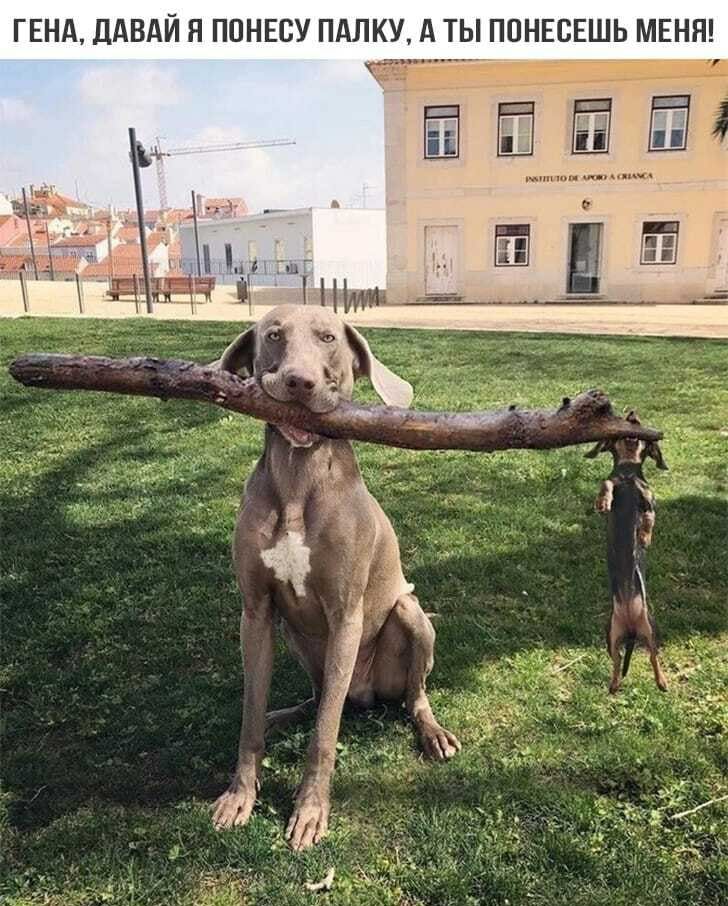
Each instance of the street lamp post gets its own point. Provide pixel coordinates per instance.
(139, 157)
(197, 235)
(30, 233)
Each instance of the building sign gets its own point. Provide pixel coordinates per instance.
(592, 177)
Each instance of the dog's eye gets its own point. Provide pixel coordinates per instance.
(328, 337)
(273, 335)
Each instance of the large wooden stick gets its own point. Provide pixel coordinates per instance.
(588, 417)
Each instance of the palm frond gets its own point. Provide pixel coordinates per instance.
(720, 127)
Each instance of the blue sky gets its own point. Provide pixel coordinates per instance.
(67, 123)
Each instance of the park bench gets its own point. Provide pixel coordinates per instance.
(131, 286)
(162, 287)
(184, 286)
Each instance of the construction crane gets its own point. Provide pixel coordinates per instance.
(159, 154)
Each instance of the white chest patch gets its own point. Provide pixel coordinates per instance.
(290, 561)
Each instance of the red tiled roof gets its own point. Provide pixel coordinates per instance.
(155, 238)
(61, 265)
(126, 259)
(176, 215)
(80, 241)
(128, 234)
(56, 201)
(19, 240)
(11, 262)
(220, 202)
(129, 251)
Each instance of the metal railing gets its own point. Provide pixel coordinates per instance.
(266, 267)
(338, 295)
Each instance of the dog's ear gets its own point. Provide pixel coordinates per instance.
(239, 355)
(393, 390)
(603, 446)
(653, 450)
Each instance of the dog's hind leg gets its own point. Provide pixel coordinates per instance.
(660, 678)
(648, 632)
(406, 650)
(615, 633)
(311, 655)
(616, 680)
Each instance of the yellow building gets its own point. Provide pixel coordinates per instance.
(522, 181)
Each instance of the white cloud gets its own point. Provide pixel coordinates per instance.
(328, 161)
(343, 71)
(264, 177)
(14, 110)
(295, 176)
(140, 86)
(111, 98)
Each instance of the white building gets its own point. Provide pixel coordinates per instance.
(5, 206)
(92, 248)
(276, 248)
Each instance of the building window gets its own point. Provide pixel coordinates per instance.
(206, 258)
(441, 131)
(591, 126)
(512, 244)
(307, 255)
(515, 129)
(280, 256)
(669, 123)
(252, 256)
(659, 242)
(228, 257)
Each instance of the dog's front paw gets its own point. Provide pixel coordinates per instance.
(233, 808)
(438, 743)
(644, 538)
(309, 821)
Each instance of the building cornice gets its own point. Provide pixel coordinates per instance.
(389, 71)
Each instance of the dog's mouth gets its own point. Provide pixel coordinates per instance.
(297, 437)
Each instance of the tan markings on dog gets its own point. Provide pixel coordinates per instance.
(644, 532)
(606, 497)
(290, 561)
(267, 527)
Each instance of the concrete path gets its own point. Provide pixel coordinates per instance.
(59, 300)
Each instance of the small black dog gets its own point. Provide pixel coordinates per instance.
(630, 505)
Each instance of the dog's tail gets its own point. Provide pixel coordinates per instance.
(628, 649)
(632, 639)
(641, 583)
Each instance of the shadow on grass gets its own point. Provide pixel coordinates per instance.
(122, 634)
(553, 592)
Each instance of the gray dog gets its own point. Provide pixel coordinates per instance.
(314, 551)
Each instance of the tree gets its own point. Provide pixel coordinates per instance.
(720, 127)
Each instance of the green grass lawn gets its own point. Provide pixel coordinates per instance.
(122, 673)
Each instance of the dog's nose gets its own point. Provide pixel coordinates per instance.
(298, 383)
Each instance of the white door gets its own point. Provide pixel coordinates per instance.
(585, 253)
(441, 260)
(721, 258)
